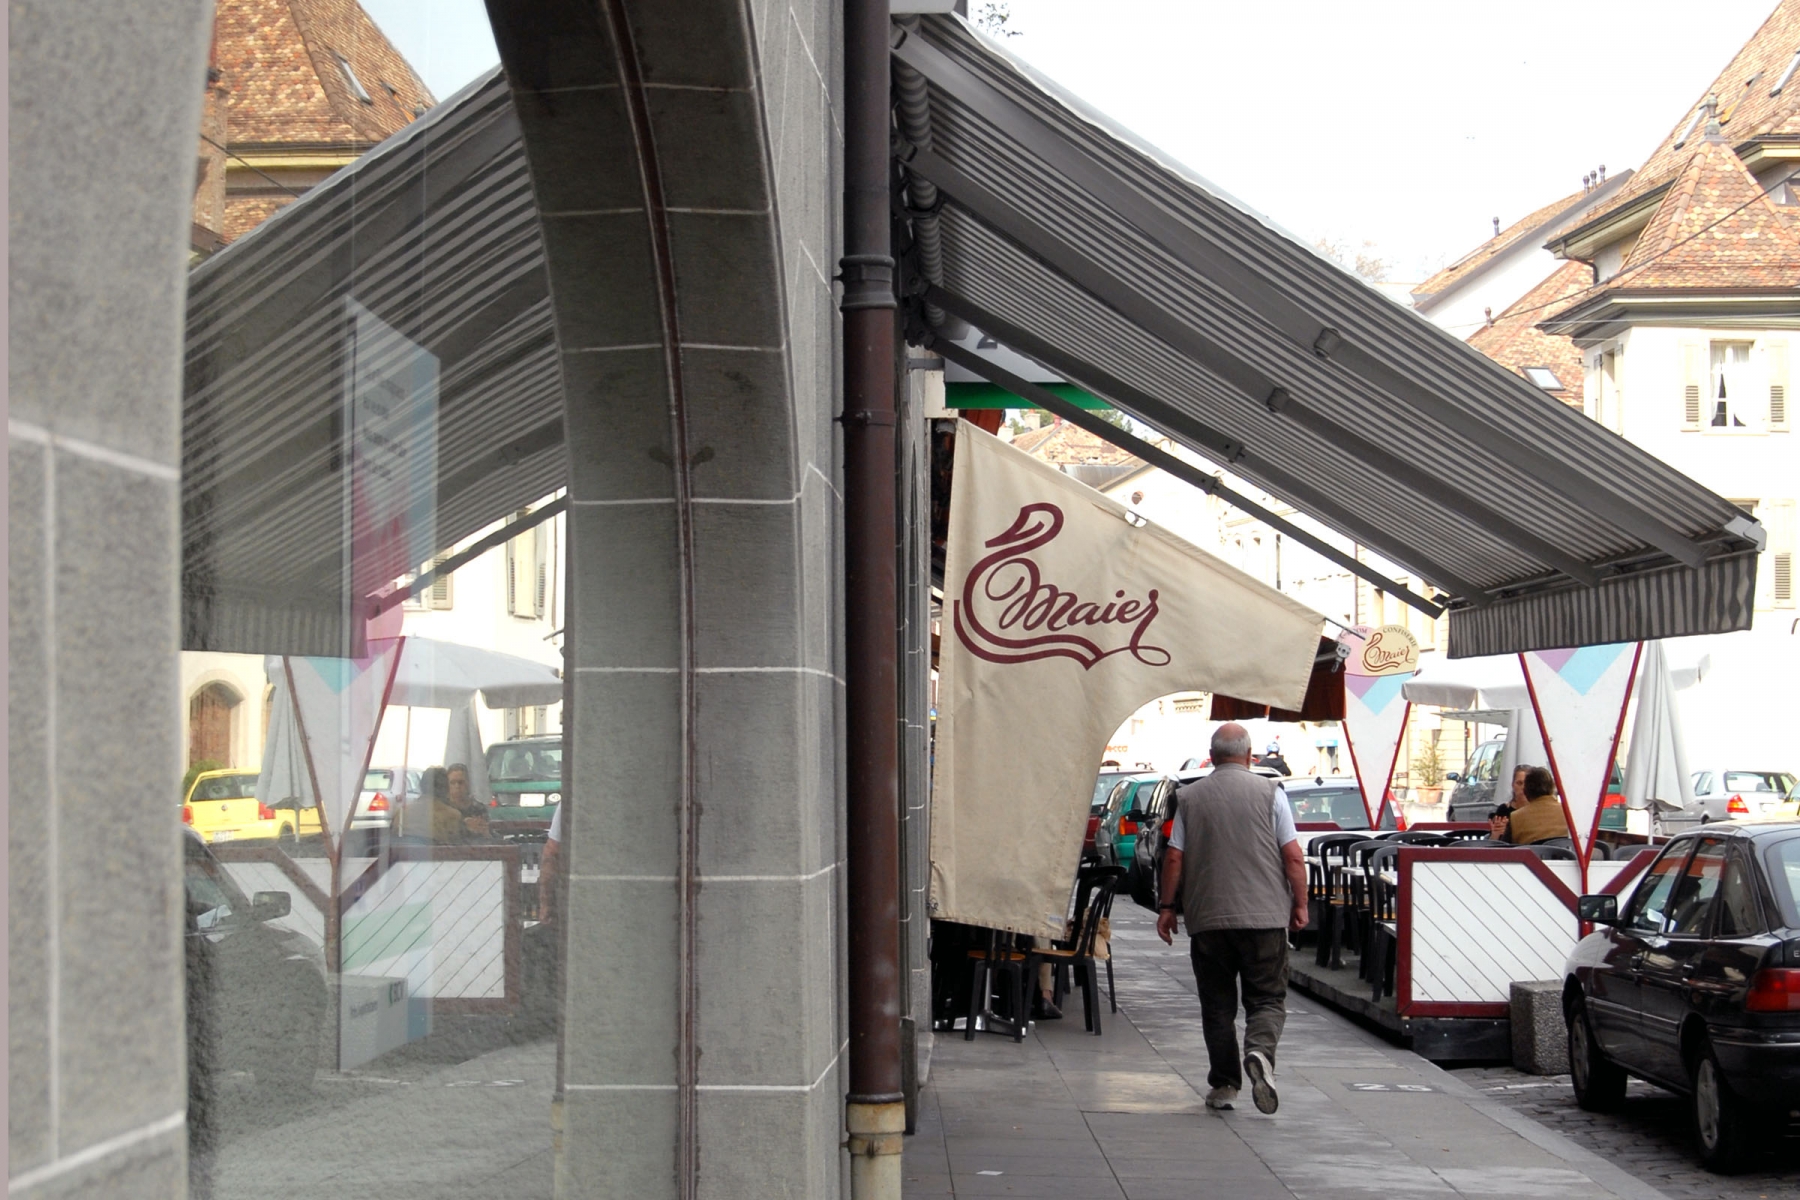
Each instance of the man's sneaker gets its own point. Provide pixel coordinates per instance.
(1256, 1066)
(1221, 1097)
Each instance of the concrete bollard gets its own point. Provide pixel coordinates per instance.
(1540, 1039)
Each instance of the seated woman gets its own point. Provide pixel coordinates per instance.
(435, 814)
(1541, 817)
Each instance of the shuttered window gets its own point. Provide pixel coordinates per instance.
(1776, 353)
(1692, 383)
(528, 572)
(1779, 521)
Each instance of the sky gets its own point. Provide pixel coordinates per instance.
(1408, 124)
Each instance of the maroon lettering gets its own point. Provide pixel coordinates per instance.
(1011, 579)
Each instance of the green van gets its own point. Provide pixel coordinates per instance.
(525, 775)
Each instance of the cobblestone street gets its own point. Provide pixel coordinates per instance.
(1650, 1137)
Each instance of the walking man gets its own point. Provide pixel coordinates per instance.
(1234, 871)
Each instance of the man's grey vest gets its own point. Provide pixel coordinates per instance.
(1231, 870)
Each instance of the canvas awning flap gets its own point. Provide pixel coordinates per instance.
(1066, 239)
(435, 674)
(434, 235)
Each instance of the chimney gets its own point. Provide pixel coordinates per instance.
(1496, 226)
(1711, 106)
(1489, 314)
(1602, 172)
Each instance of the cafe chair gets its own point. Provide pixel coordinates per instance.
(1076, 953)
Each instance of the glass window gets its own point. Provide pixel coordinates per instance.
(1738, 910)
(1784, 875)
(1703, 783)
(1650, 901)
(1749, 781)
(1731, 391)
(1691, 909)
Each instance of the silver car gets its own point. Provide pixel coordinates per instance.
(1726, 795)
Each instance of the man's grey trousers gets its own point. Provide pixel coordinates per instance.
(1222, 958)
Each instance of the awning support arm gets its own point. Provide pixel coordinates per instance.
(1298, 326)
(1074, 414)
(1165, 416)
(463, 558)
(1071, 262)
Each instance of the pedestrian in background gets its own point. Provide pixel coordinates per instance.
(1233, 871)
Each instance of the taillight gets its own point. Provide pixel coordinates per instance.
(379, 803)
(1774, 989)
(264, 812)
(1736, 807)
(1126, 827)
(187, 814)
(493, 802)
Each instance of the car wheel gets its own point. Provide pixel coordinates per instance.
(1721, 1124)
(1599, 1083)
(284, 838)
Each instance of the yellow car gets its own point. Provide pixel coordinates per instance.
(221, 806)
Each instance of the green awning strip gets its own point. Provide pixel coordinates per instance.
(982, 394)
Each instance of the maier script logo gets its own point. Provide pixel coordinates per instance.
(1008, 613)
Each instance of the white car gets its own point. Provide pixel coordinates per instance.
(381, 797)
(1732, 795)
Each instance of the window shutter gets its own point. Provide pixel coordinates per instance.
(440, 592)
(1778, 384)
(1693, 380)
(540, 545)
(1781, 533)
(512, 576)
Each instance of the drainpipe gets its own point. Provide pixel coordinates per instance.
(875, 1109)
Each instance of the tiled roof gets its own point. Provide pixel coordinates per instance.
(1451, 275)
(1064, 444)
(1746, 110)
(1714, 228)
(279, 60)
(1514, 340)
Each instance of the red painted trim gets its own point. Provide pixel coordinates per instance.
(1435, 826)
(1404, 1004)
(1318, 827)
(288, 867)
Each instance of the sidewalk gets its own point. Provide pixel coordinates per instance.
(1120, 1117)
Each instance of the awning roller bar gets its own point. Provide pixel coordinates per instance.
(1277, 309)
(1074, 414)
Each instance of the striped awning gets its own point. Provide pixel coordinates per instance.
(1048, 228)
(435, 232)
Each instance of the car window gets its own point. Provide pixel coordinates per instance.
(1650, 901)
(375, 781)
(1486, 764)
(1748, 781)
(1342, 805)
(226, 787)
(522, 762)
(1784, 877)
(1738, 913)
(1690, 909)
(1702, 782)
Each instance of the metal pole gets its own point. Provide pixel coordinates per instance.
(875, 1112)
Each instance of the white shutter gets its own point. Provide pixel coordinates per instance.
(512, 576)
(540, 553)
(1777, 354)
(1693, 384)
(1780, 525)
(440, 596)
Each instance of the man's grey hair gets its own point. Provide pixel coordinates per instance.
(1224, 745)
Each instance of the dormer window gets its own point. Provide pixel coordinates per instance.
(356, 87)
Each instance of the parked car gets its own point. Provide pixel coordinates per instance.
(1334, 798)
(384, 792)
(526, 777)
(1693, 984)
(221, 806)
(1478, 791)
(256, 994)
(1103, 786)
(1731, 795)
(1116, 837)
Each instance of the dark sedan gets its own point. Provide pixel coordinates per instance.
(1694, 985)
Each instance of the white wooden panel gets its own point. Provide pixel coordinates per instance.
(1603, 872)
(1567, 871)
(303, 916)
(442, 925)
(1477, 927)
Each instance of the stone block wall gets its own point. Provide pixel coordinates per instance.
(106, 102)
